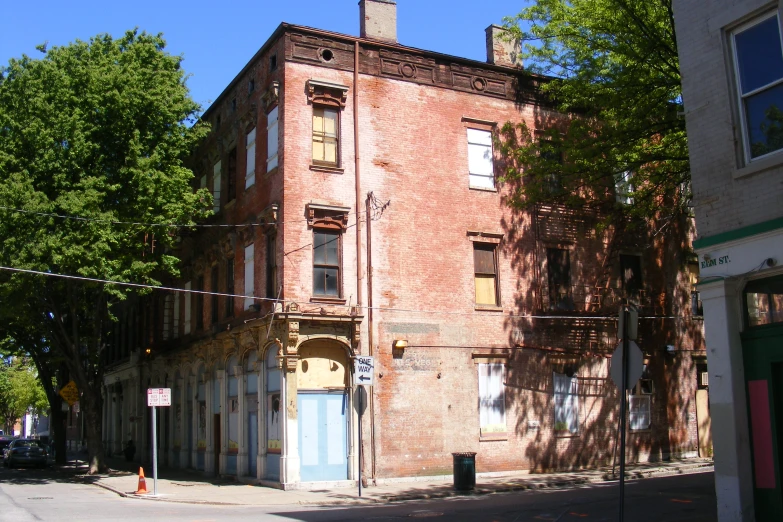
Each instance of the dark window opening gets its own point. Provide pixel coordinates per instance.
(213, 281)
(230, 287)
(251, 86)
(271, 266)
(232, 174)
(273, 62)
(631, 274)
(326, 263)
(200, 303)
(327, 55)
(559, 276)
(233, 105)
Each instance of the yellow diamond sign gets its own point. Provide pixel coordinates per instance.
(70, 393)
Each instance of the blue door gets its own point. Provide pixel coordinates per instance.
(252, 443)
(323, 439)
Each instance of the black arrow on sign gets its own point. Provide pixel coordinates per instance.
(364, 378)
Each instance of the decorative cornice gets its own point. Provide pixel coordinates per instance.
(327, 93)
(271, 96)
(327, 216)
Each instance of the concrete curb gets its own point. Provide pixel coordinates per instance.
(447, 493)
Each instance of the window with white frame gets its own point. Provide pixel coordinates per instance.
(216, 180)
(271, 140)
(623, 188)
(758, 61)
(480, 164)
(640, 401)
(492, 398)
(566, 403)
(249, 276)
(250, 155)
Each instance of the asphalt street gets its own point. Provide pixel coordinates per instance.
(51, 495)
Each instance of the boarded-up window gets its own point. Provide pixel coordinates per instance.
(230, 287)
(480, 164)
(213, 282)
(175, 322)
(232, 175)
(216, 182)
(271, 266)
(631, 274)
(187, 296)
(250, 155)
(492, 400)
(326, 263)
(325, 136)
(566, 403)
(200, 303)
(559, 276)
(271, 140)
(485, 274)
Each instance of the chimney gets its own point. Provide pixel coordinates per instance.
(378, 19)
(500, 51)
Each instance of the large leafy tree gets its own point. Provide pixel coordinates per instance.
(20, 391)
(92, 142)
(612, 67)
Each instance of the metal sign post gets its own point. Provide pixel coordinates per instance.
(363, 374)
(156, 397)
(626, 320)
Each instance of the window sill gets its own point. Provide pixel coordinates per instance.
(326, 168)
(491, 437)
(230, 204)
(755, 167)
(566, 435)
(483, 189)
(327, 300)
(269, 173)
(488, 308)
(640, 431)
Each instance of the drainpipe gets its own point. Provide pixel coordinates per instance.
(356, 171)
(368, 216)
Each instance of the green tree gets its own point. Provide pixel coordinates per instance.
(612, 67)
(20, 391)
(96, 130)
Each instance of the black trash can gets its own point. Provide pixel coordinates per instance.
(464, 471)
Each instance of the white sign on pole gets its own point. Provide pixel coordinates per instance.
(158, 396)
(363, 370)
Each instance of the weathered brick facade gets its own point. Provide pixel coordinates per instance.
(413, 110)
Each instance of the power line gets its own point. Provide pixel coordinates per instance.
(168, 225)
(339, 305)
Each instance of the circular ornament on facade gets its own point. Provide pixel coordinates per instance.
(326, 55)
(479, 84)
(408, 70)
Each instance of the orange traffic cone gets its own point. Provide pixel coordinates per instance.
(142, 483)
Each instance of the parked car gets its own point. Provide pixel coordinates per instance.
(4, 443)
(30, 452)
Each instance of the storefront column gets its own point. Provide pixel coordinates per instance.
(222, 387)
(733, 470)
(193, 439)
(239, 371)
(289, 460)
(209, 454)
(261, 419)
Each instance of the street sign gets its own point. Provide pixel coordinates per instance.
(635, 365)
(360, 400)
(70, 393)
(363, 370)
(158, 396)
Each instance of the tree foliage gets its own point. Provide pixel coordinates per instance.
(613, 69)
(96, 131)
(20, 391)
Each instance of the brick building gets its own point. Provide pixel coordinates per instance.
(732, 64)
(367, 216)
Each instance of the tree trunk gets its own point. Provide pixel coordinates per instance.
(91, 407)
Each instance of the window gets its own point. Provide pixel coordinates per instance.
(273, 62)
(325, 136)
(232, 175)
(249, 276)
(764, 301)
(758, 60)
(216, 187)
(492, 401)
(326, 263)
(271, 140)
(631, 274)
(250, 155)
(480, 165)
(200, 303)
(485, 274)
(187, 296)
(271, 266)
(559, 277)
(177, 298)
(168, 305)
(566, 403)
(213, 281)
(623, 188)
(552, 154)
(230, 287)
(203, 181)
(639, 412)
(251, 86)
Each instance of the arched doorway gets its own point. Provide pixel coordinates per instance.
(322, 402)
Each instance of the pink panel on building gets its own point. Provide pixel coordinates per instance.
(761, 427)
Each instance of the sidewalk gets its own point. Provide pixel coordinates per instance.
(184, 486)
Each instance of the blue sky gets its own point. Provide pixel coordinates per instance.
(218, 39)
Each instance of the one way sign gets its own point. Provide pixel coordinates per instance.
(363, 370)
